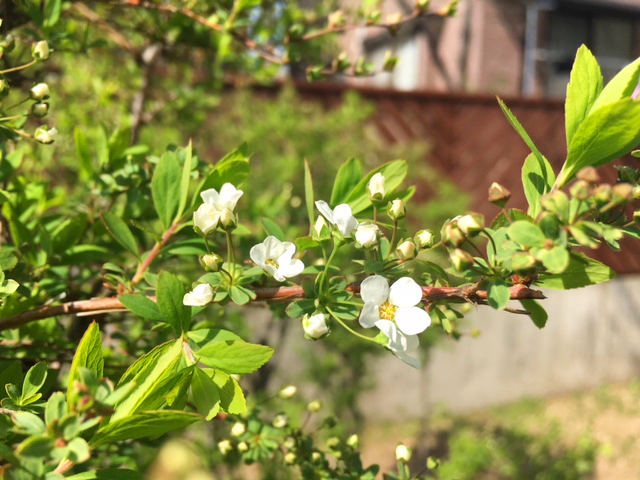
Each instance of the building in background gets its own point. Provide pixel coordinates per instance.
(509, 47)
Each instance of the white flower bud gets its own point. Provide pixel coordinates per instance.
(460, 259)
(376, 187)
(316, 456)
(288, 391)
(45, 134)
(396, 209)
(280, 421)
(199, 296)
(39, 91)
(332, 443)
(367, 235)
(321, 228)
(424, 239)
(227, 218)
(243, 447)
(471, 223)
(289, 443)
(353, 441)
(238, 429)
(403, 453)
(40, 50)
(212, 262)
(314, 406)
(290, 458)
(225, 446)
(39, 109)
(406, 250)
(315, 326)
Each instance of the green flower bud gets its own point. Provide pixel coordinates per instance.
(424, 239)
(211, 262)
(314, 406)
(238, 429)
(290, 458)
(40, 50)
(39, 91)
(39, 109)
(451, 234)
(460, 259)
(353, 441)
(243, 447)
(280, 421)
(396, 209)
(321, 230)
(332, 443)
(499, 195)
(588, 174)
(289, 443)
(225, 446)
(471, 224)
(622, 193)
(45, 134)
(580, 190)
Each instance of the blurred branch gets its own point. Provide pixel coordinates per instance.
(115, 36)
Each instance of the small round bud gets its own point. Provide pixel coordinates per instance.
(243, 447)
(471, 224)
(314, 406)
(290, 458)
(40, 50)
(39, 91)
(315, 326)
(238, 429)
(353, 441)
(602, 193)
(588, 174)
(406, 250)
(316, 456)
(460, 259)
(289, 443)
(622, 193)
(39, 109)
(211, 262)
(366, 235)
(499, 195)
(288, 391)
(376, 187)
(280, 421)
(580, 190)
(403, 453)
(396, 209)
(332, 443)
(225, 446)
(451, 233)
(336, 19)
(424, 239)
(45, 134)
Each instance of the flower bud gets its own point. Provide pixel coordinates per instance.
(471, 224)
(290, 458)
(39, 109)
(227, 219)
(460, 259)
(40, 50)
(366, 235)
(588, 174)
(336, 19)
(315, 326)
(238, 429)
(403, 453)
(321, 230)
(622, 193)
(332, 443)
(424, 239)
(451, 233)
(289, 443)
(199, 297)
(225, 446)
(39, 91)
(316, 456)
(211, 262)
(499, 195)
(45, 134)
(314, 406)
(288, 391)
(376, 187)
(280, 421)
(4, 88)
(396, 209)
(353, 441)
(243, 447)
(580, 190)
(406, 250)
(602, 193)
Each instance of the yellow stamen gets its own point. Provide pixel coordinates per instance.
(388, 311)
(272, 263)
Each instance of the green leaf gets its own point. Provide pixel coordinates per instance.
(84, 154)
(139, 425)
(169, 294)
(108, 474)
(272, 228)
(241, 295)
(347, 178)
(537, 312)
(165, 187)
(584, 87)
(394, 174)
(621, 86)
(526, 234)
(308, 193)
(555, 260)
(205, 336)
(10, 373)
(543, 167)
(499, 295)
(52, 10)
(142, 306)
(68, 233)
(88, 355)
(607, 133)
(28, 423)
(205, 395)
(146, 361)
(34, 380)
(56, 407)
(120, 231)
(536, 182)
(233, 168)
(235, 357)
(79, 450)
(231, 395)
(7, 261)
(582, 271)
(299, 308)
(36, 446)
(185, 179)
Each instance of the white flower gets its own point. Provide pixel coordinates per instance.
(225, 446)
(45, 134)
(315, 326)
(367, 235)
(341, 216)
(376, 187)
(216, 207)
(394, 311)
(280, 421)
(199, 296)
(40, 50)
(39, 91)
(276, 258)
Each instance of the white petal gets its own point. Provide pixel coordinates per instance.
(389, 329)
(288, 251)
(229, 196)
(405, 292)
(258, 254)
(412, 320)
(291, 269)
(273, 248)
(325, 210)
(370, 315)
(412, 362)
(210, 196)
(206, 218)
(344, 219)
(273, 271)
(374, 289)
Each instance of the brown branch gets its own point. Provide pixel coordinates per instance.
(155, 251)
(112, 304)
(116, 36)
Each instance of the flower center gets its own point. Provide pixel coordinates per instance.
(272, 263)
(388, 311)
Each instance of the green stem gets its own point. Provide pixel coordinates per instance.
(392, 244)
(493, 244)
(325, 274)
(14, 117)
(348, 328)
(231, 255)
(21, 67)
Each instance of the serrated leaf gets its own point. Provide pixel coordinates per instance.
(348, 176)
(235, 357)
(231, 395)
(205, 336)
(582, 271)
(36, 446)
(120, 231)
(621, 86)
(536, 182)
(165, 187)
(537, 312)
(88, 355)
(142, 306)
(205, 395)
(526, 233)
(139, 425)
(169, 294)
